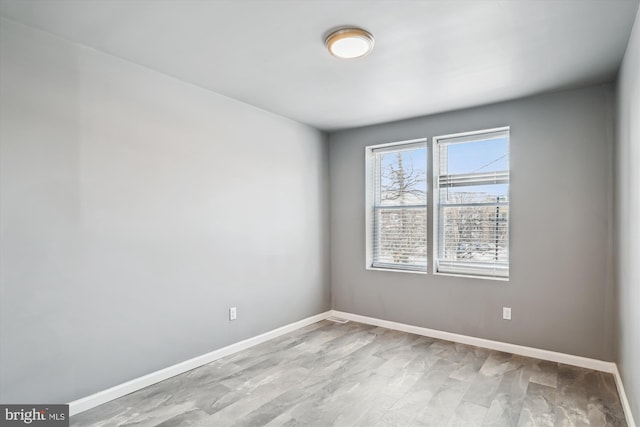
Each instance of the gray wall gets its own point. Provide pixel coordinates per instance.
(135, 209)
(561, 287)
(627, 224)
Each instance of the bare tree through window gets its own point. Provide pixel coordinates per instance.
(400, 212)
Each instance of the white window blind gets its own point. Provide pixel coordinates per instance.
(471, 176)
(399, 206)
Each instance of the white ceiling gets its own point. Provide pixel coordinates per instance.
(430, 56)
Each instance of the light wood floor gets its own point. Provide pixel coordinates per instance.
(331, 374)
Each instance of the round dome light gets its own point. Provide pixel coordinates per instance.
(349, 43)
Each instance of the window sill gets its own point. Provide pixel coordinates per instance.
(396, 270)
(471, 276)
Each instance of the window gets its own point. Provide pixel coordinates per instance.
(397, 206)
(471, 202)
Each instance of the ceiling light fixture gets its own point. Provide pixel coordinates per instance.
(349, 43)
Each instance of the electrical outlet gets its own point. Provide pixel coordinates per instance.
(506, 313)
(233, 313)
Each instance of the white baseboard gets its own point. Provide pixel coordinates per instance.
(623, 398)
(120, 390)
(552, 356)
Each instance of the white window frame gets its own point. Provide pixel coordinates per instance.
(470, 270)
(370, 170)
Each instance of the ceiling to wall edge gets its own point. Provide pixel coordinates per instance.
(325, 130)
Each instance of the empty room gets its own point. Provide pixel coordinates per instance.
(319, 213)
